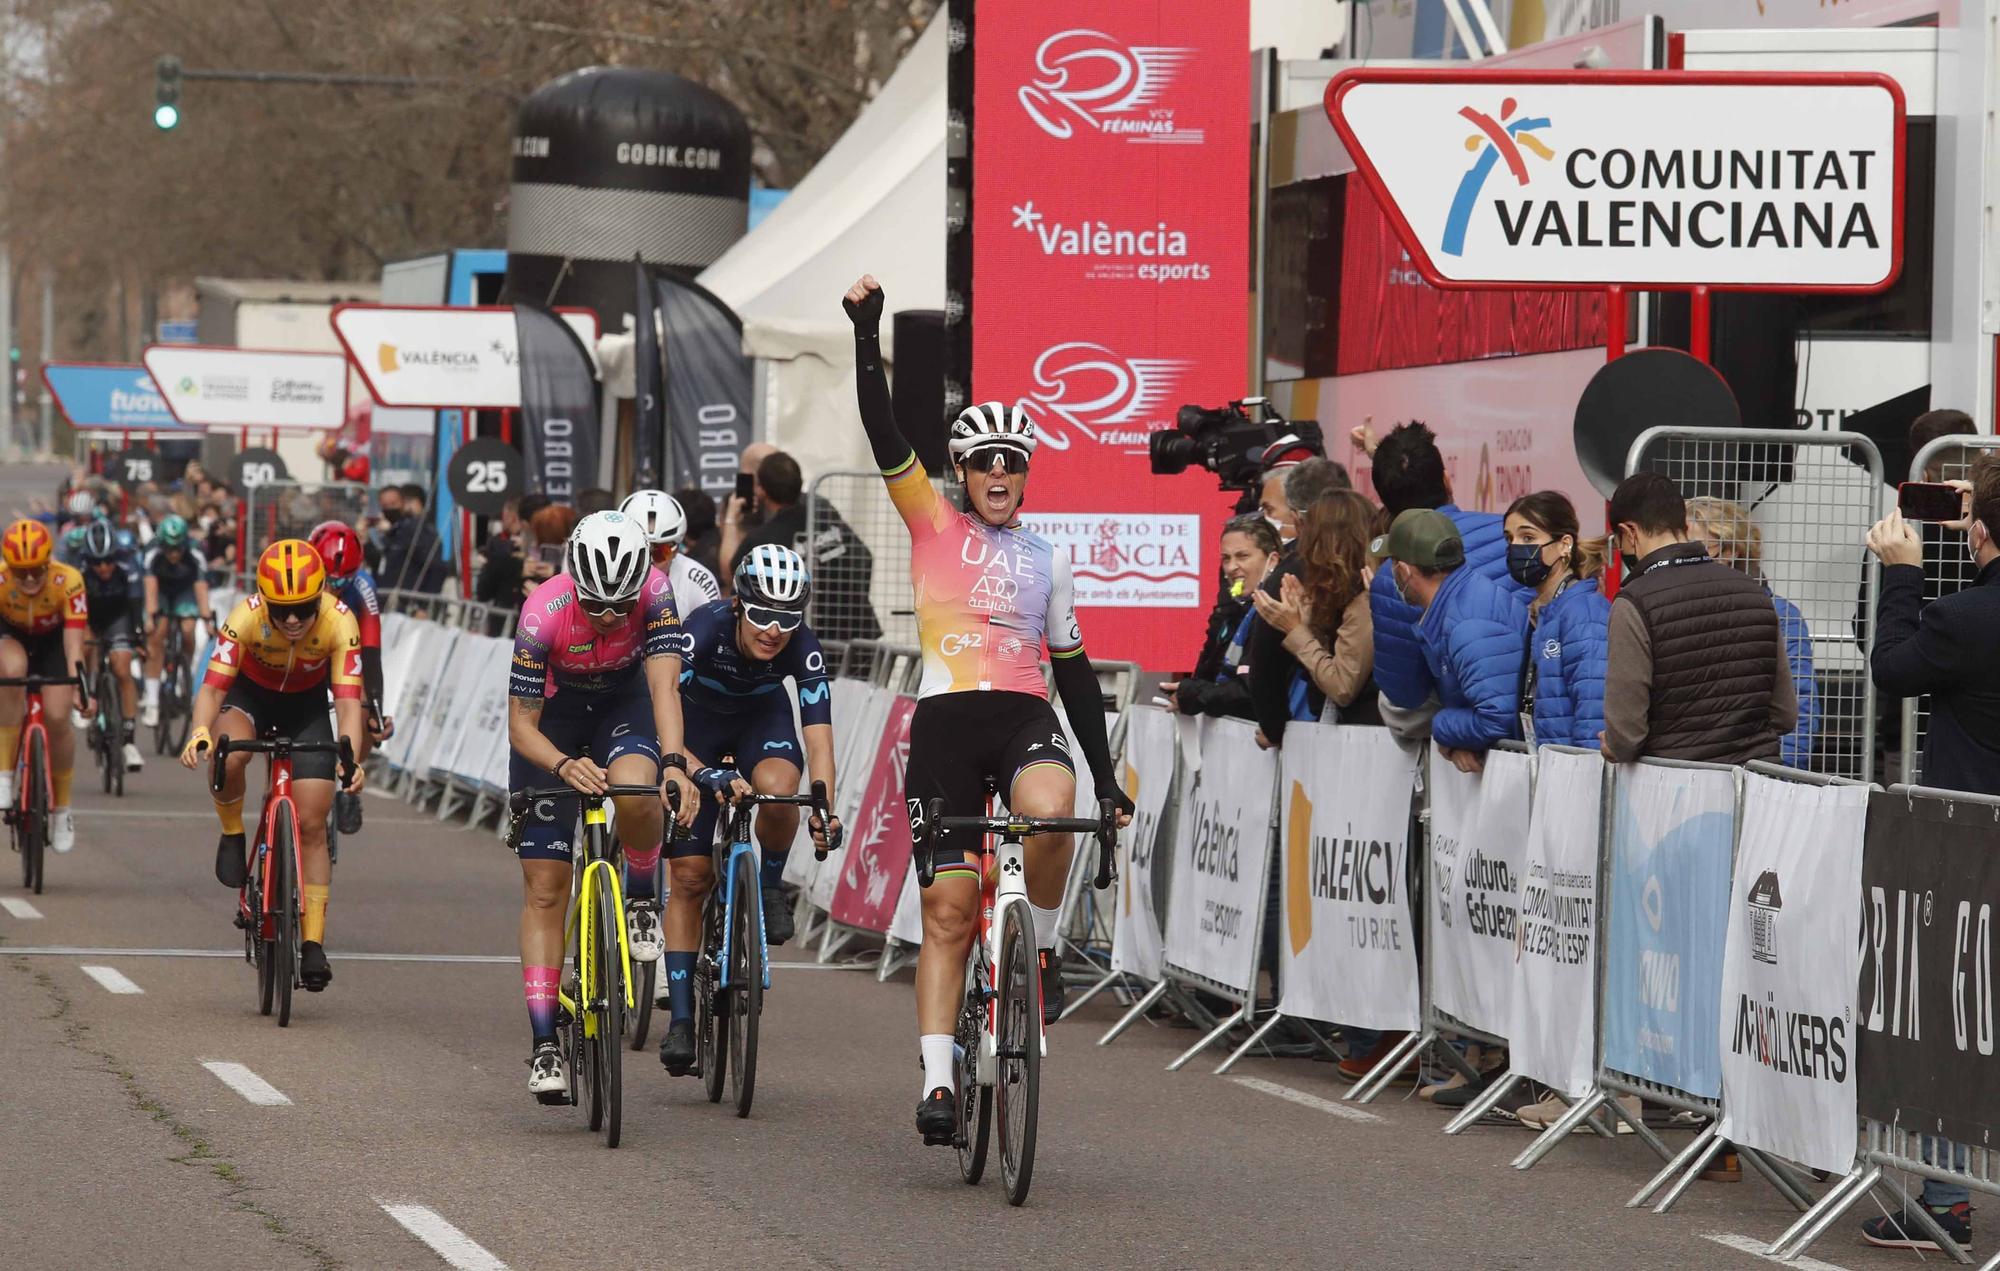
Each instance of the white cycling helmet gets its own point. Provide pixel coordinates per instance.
(659, 515)
(607, 558)
(773, 576)
(991, 423)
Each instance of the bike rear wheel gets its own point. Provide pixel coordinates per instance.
(611, 1011)
(1017, 1076)
(711, 1025)
(34, 820)
(107, 725)
(640, 1018)
(975, 1102)
(285, 919)
(747, 971)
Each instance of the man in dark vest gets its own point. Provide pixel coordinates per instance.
(1696, 666)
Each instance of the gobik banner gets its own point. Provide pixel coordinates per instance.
(878, 847)
(1222, 853)
(1479, 831)
(1348, 953)
(1788, 975)
(1554, 1006)
(1930, 878)
(1137, 945)
(1672, 832)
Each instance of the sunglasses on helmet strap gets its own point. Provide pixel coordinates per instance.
(764, 618)
(980, 458)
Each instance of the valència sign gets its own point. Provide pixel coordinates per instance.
(439, 356)
(250, 388)
(1670, 179)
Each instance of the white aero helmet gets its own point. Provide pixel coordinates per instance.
(607, 558)
(659, 515)
(991, 423)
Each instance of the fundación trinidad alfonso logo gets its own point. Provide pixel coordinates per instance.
(1498, 141)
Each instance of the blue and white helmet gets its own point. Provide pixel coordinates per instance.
(607, 558)
(775, 577)
(992, 423)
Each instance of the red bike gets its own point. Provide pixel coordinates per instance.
(271, 907)
(28, 819)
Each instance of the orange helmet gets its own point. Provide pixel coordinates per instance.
(26, 545)
(290, 572)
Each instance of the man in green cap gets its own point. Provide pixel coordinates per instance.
(1472, 634)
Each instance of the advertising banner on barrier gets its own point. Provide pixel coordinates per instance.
(1930, 879)
(1221, 859)
(878, 845)
(1788, 977)
(1554, 1009)
(1348, 952)
(1672, 832)
(1108, 164)
(1136, 943)
(1474, 880)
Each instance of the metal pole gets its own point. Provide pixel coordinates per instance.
(48, 356)
(7, 341)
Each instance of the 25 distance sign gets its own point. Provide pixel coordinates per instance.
(484, 473)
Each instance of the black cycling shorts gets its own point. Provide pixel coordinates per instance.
(958, 740)
(301, 716)
(45, 651)
(115, 633)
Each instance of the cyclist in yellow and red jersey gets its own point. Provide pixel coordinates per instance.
(990, 595)
(276, 656)
(43, 618)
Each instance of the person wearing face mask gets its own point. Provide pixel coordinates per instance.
(1220, 684)
(1696, 665)
(1562, 675)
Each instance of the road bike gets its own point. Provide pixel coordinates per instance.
(176, 703)
(1000, 1040)
(107, 723)
(28, 819)
(596, 989)
(271, 908)
(641, 1018)
(734, 967)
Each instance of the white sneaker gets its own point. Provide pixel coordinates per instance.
(7, 788)
(149, 714)
(62, 830)
(642, 927)
(134, 761)
(546, 1078)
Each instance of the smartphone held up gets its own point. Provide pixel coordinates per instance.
(1929, 501)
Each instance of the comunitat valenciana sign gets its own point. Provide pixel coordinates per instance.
(439, 356)
(250, 388)
(1663, 179)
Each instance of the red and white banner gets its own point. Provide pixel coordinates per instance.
(1110, 248)
(878, 846)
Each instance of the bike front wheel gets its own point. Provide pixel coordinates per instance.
(746, 1003)
(711, 1023)
(285, 914)
(1017, 1077)
(611, 1008)
(33, 824)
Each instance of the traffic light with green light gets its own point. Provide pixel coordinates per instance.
(167, 93)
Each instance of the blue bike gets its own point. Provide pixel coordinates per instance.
(734, 967)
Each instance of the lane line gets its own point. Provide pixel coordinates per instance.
(474, 959)
(113, 980)
(1755, 1248)
(19, 908)
(446, 1241)
(252, 1087)
(1300, 1097)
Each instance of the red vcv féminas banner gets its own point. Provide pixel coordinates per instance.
(878, 843)
(1110, 256)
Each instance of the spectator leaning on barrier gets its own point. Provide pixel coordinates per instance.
(1562, 675)
(842, 565)
(1471, 634)
(1279, 688)
(1728, 534)
(1220, 684)
(1322, 613)
(1696, 666)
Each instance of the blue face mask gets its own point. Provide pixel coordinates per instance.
(1525, 563)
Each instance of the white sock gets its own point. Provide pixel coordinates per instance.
(152, 690)
(1046, 923)
(937, 1062)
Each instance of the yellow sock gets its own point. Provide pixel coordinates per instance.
(314, 928)
(10, 743)
(231, 814)
(61, 782)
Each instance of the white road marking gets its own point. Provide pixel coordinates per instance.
(113, 980)
(18, 908)
(1756, 1248)
(1300, 1097)
(476, 959)
(246, 1083)
(446, 1241)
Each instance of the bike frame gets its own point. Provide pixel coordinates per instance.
(277, 793)
(596, 833)
(34, 723)
(1000, 889)
(738, 846)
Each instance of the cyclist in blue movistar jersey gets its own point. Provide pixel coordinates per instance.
(735, 658)
(176, 583)
(114, 592)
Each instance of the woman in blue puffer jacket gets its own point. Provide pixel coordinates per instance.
(1562, 677)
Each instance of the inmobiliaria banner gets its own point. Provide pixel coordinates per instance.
(1110, 250)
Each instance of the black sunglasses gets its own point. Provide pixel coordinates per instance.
(304, 611)
(980, 459)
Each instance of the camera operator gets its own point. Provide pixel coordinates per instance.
(1220, 685)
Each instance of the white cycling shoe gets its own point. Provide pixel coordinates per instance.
(62, 830)
(546, 1079)
(149, 714)
(134, 761)
(7, 788)
(642, 928)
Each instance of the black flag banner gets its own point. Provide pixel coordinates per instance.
(558, 405)
(708, 385)
(1930, 883)
(648, 407)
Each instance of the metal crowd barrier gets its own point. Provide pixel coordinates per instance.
(1811, 498)
(861, 577)
(1947, 569)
